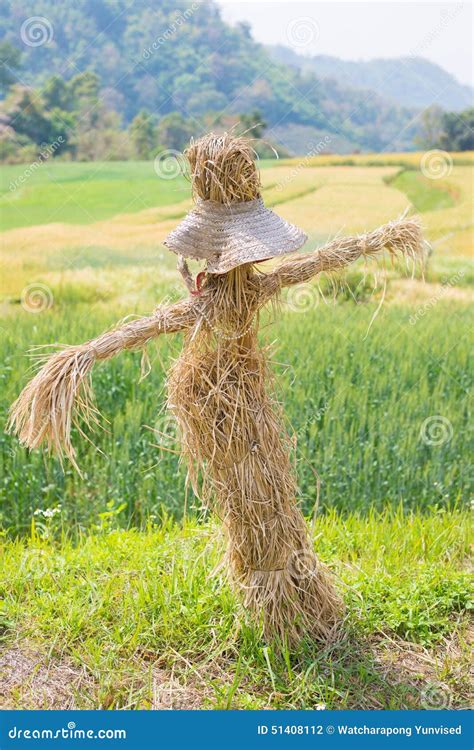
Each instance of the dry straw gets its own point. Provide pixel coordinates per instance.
(222, 169)
(232, 429)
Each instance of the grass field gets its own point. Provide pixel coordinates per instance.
(107, 594)
(129, 619)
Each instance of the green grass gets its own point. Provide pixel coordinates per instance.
(424, 194)
(83, 192)
(121, 604)
(356, 404)
(80, 193)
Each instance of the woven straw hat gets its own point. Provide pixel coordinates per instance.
(230, 225)
(228, 236)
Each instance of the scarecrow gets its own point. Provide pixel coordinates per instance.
(232, 430)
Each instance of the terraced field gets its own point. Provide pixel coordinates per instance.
(100, 565)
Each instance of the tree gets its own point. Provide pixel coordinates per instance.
(458, 131)
(142, 132)
(174, 131)
(98, 134)
(10, 61)
(451, 131)
(58, 93)
(25, 112)
(431, 127)
(66, 116)
(104, 141)
(252, 123)
(85, 88)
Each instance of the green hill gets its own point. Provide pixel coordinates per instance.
(183, 57)
(406, 81)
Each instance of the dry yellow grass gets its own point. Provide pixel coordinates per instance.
(412, 158)
(323, 200)
(348, 199)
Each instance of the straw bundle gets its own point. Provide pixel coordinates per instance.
(60, 395)
(401, 238)
(232, 428)
(223, 169)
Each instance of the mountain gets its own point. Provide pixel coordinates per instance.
(183, 57)
(406, 81)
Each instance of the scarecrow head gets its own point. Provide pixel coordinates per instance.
(230, 225)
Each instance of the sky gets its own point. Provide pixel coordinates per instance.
(440, 32)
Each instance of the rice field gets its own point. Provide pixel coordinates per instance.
(358, 408)
(357, 403)
(378, 408)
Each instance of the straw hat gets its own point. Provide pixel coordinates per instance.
(228, 236)
(229, 225)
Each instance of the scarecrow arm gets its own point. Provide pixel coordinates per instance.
(400, 237)
(61, 392)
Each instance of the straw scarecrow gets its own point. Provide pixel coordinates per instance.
(232, 431)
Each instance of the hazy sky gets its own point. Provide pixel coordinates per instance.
(441, 32)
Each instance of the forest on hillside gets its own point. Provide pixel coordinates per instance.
(103, 79)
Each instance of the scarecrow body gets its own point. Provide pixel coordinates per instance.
(231, 426)
(220, 389)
